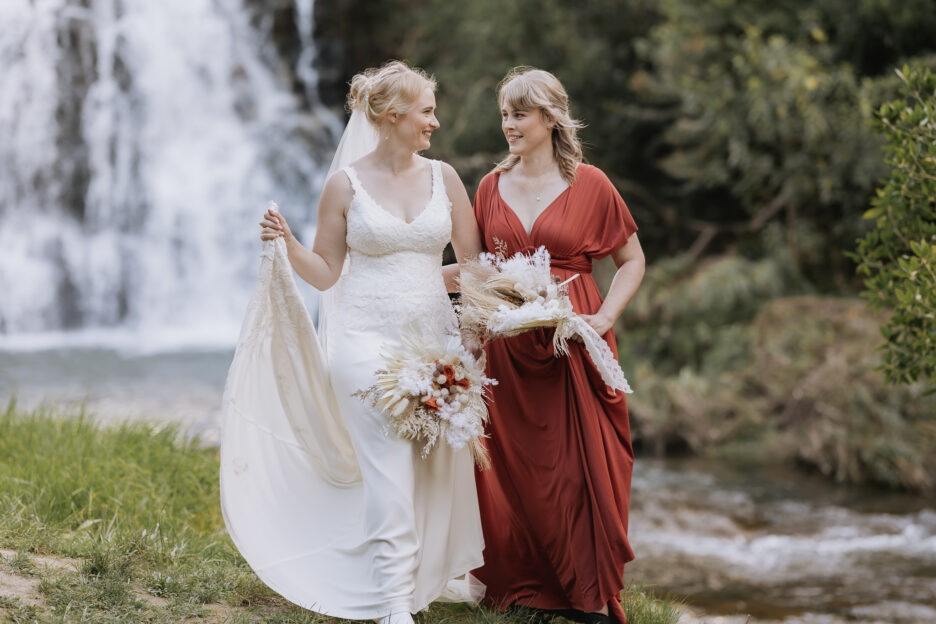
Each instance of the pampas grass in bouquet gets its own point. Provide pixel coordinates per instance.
(502, 297)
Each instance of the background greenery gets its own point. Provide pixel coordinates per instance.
(742, 134)
(899, 253)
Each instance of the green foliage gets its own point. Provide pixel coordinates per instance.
(826, 400)
(16, 611)
(770, 124)
(589, 46)
(767, 119)
(798, 381)
(129, 502)
(898, 255)
(874, 35)
(22, 565)
(640, 605)
(693, 315)
(686, 336)
(75, 477)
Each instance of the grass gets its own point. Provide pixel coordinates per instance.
(130, 517)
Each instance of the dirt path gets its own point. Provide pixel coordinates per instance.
(25, 585)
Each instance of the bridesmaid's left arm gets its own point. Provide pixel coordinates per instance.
(630, 264)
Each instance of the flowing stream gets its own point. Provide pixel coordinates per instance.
(754, 545)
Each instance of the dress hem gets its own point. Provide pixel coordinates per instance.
(360, 615)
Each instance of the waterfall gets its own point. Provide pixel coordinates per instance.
(140, 142)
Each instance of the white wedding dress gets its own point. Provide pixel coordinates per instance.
(333, 512)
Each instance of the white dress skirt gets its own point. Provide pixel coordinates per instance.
(331, 510)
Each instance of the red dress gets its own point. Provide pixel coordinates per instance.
(554, 502)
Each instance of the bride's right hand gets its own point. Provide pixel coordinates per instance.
(274, 226)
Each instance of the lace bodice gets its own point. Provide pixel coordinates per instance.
(372, 231)
(395, 268)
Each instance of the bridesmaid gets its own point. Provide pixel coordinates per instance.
(554, 503)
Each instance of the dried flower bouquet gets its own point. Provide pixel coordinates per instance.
(433, 388)
(503, 297)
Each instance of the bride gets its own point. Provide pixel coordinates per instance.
(329, 509)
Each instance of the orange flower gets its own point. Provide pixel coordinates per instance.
(431, 404)
(449, 373)
(463, 383)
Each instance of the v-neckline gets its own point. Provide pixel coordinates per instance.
(513, 213)
(432, 192)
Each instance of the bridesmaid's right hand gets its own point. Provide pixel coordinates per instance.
(274, 226)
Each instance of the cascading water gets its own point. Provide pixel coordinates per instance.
(139, 144)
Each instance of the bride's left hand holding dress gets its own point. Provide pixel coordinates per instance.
(320, 266)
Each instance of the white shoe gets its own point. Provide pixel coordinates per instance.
(396, 618)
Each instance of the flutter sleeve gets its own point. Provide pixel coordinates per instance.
(484, 206)
(483, 199)
(612, 222)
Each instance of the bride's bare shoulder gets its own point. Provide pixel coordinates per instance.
(337, 186)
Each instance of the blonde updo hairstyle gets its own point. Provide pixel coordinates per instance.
(528, 89)
(392, 88)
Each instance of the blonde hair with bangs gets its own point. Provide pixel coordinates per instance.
(528, 88)
(393, 87)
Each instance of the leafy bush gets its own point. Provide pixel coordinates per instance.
(801, 385)
(815, 363)
(899, 254)
(685, 341)
(690, 314)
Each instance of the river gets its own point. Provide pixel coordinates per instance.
(781, 546)
(734, 544)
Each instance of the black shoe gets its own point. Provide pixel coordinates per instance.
(585, 618)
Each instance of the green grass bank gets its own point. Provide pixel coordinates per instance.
(123, 524)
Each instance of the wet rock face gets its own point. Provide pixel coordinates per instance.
(276, 22)
(346, 35)
(76, 70)
(336, 60)
(351, 35)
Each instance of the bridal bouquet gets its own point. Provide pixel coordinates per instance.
(507, 296)
(432, 388)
